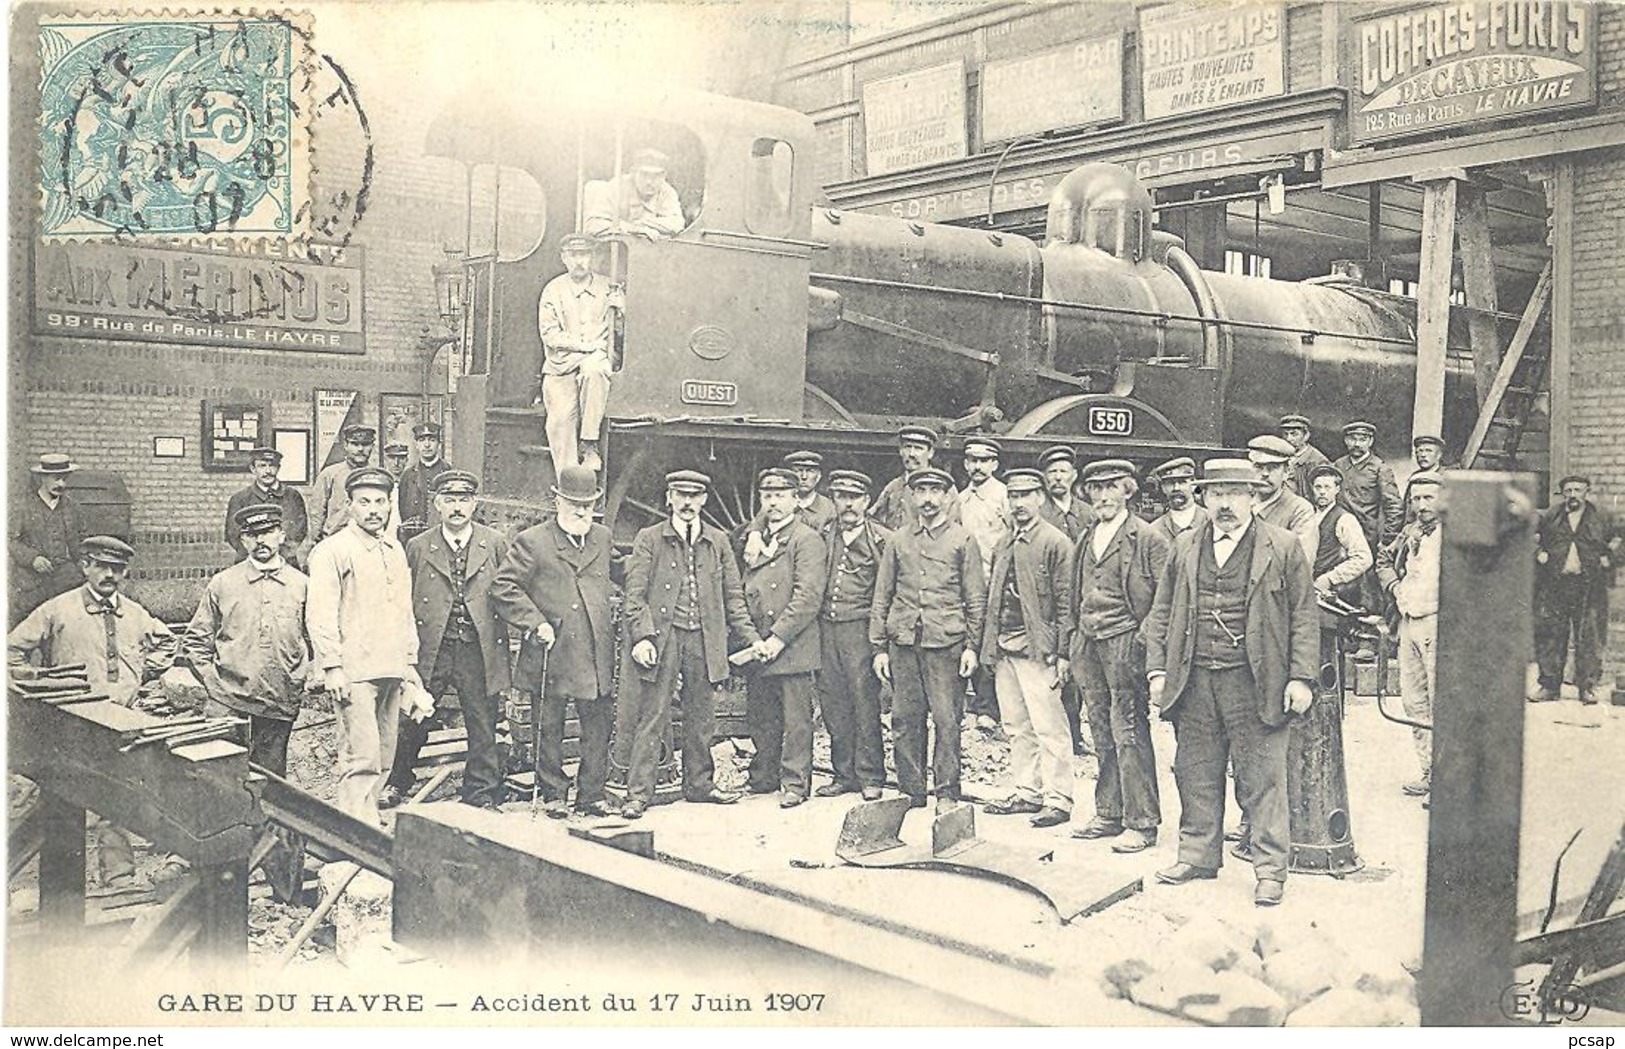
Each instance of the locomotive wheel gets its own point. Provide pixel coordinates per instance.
(636, 496)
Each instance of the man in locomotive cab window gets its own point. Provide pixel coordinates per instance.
(1177, 479)
(815, 509)
(639, 202)
(329, 498)
(1063, 507)
(784, 577)
(683, 597)
(984, 510)
(926, 625)
(894, 507)
(1274, 501)
(576, 323)
(1232, 652)
(1408, 571)
(1305, 456)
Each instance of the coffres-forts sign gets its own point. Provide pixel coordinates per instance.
(1422, 70)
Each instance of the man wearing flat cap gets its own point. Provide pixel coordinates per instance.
(893, 508)
(1294, 429)
(119, 642)
(1232, 652)
(926, 627)
(359, 615)
(683, 596)
(1577, 547)
(1024, 642)
(1408, 572)
(639, 202)
(418, 480)
(848, 693)
(1369, 488)
(1062, 507)
(1337, 553)
(984, 510)
(1115, 568)
(266, 490)
(575, 317)
(1274, 501)
(329, 498)
(1177, 478)
(813, 507)
(44, 537)
(784, 572)
(553, 589)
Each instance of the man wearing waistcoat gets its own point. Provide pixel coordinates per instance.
(848, 693)
(1577, 544)
(1336, 549)
(1232, 651)
(1115, 568)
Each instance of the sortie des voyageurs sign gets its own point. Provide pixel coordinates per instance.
(284, 298)
(1440, 66)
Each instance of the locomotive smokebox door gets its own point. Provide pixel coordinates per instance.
(714, 327)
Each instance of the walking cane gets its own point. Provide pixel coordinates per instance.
(536, 733)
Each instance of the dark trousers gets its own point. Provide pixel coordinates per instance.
(265, 738)
(596, 717)
(459, 666)
(682, 657)
(926, 684)
(982, 699)
(1072, 705)
(1216, 719)
(779, 713)
(1108, 673)
(1577, 605)
(849, 696)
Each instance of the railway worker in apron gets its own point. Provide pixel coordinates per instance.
(553, 590)
(418, 480)
(1408, 571)
(121, 645)
(329, 498)
(1061, 506)
(848, 693)
(1024, 636)
(638, 202)
(784, 576)
(358, 614)
(1578, 548)
(576, 320)
(1305, 456)
(926, 620)
(1116, 565)
(815, 509)
(1176, 478)
(893, 508)
(266, 489)
(1274, 501)
(44, 537)
(984, 510)
(1232, 652)
(683, 595)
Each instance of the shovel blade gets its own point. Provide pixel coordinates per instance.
(871, 827)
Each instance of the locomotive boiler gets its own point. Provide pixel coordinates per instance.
(774, 321)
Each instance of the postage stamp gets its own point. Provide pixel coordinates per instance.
(173, 126)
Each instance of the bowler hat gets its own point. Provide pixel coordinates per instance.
(265, 455)
(1178, 469)
(1103, 470)
(370, 477)
(1059, 453)
(106, 549)
(850, 482)
(422, 430)
(364, 434)
(690, 482)
(776, 479)
(1017, 481)
(578, 484)
(1268, 448)
(456, 482)
(930, 476)
(809, 460)
(1228, 471)
(54, 463)
(258, 519)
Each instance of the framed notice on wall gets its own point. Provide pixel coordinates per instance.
(230, 432)
(334, 410)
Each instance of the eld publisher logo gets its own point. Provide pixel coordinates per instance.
(1521, 1002)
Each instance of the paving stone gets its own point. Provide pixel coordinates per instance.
(1243, 1002)
(1300, 973)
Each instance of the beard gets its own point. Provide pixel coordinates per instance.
(576, 526)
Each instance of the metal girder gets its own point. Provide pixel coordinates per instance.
(337, 833)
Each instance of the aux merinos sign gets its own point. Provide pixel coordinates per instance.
(1445, 66)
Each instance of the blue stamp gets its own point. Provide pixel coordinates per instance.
(172, 127)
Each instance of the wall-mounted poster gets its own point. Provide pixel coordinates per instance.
(1067, 86)
(398, 413)
(294, 444)
(914, 119)
(334, 410)
(230, 432)
(1196, 57)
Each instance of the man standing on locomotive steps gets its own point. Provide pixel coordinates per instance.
(1232, 651)
(848, 693)
(553, 589)
(576, 319)
(784, 575)
(267, 490)
(926, 622)
(894, 507)
(683, 594)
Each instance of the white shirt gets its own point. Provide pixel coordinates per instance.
(1183, 518)
(1417, 594)
(1105, 531)
(850, 535)
(1571, 564)
(457, 540)
(1224, 544)
(984, 510)
(1350, 538)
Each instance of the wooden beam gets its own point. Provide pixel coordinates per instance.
(1509, 364)
(1433, 303)
(61, 865)
(1478, 282)
(1562, 211)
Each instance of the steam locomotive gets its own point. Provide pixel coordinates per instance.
(775, 322)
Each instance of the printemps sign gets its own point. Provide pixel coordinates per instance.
(1441, 66)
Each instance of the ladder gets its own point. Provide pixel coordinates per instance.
(1524, 375)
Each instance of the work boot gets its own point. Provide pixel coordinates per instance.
(1135, 839)
(1543, 695)
(1593, 695)
(871, 793)
(1417, 788)
(835, 790)
(590, 457)
(1050, 816)
(1012, 806)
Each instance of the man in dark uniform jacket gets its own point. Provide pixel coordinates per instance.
(1116, 564)
(44, 538)
(783, 576)
(1577, 543)
(267, 490)
(1232, 651)
(848, 692)
(894, 507)
(1062, 506)
(1176, 478)
(813, 507)
(1294, 429)
(418, 480)
(553, 590)
(462, 642)
(683, 595)
(1369, 487)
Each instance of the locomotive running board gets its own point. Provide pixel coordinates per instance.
(871, 836)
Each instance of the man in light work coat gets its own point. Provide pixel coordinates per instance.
(683, 595)
(1232, 651)
(1024, 641)
(1408, 572)
(553, 589)
(784, 575)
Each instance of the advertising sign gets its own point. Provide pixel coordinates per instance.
(1196, 57)
(914, 119)
(1067, 86)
